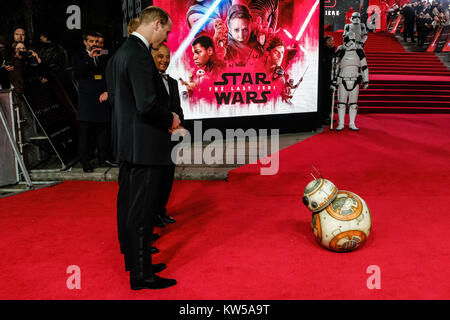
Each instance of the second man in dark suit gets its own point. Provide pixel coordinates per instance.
(162, 61)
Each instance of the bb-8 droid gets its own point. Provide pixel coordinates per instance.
(341, 220)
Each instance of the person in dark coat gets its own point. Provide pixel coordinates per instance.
(162, 61)
(409, 16)
(52, 54)
(93, 111)
(328, 50)
(5, 54)
(143, 145)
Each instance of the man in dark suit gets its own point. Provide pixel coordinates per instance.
(93, 111)
(143, 120)
(162, 61)
(326, 97)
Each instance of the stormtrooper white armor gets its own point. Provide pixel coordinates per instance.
(349, 71)
(358, 28)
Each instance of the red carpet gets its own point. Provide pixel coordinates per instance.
(250, 238)
(395, 75)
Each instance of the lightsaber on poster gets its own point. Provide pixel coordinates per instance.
(225, 73)
(290, 36)
(308, 18)
(195, 29)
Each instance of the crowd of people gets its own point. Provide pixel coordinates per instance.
(22, 64)
(421, 17)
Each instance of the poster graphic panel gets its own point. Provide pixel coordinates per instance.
(244, 58)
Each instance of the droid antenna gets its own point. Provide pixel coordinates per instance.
(320, 175)
(313, 176)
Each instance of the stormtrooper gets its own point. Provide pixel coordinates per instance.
(349, 70)
(358, 28)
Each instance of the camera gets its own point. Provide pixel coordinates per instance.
(104, 52)
(25, 54)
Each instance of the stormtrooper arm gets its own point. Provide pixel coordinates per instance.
(363, 34)
(364, 68)
(346, 30)
(335, 67)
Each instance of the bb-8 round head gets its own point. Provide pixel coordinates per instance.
(319, 194)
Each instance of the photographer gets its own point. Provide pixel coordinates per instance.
(4, 68)
(94, 113)
(26, 67)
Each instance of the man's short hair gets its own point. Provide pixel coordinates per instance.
(132, 25)
(205, 41)
(89, 33)
(99, 35)
(326, 38)
(153, 13)
(275, 42)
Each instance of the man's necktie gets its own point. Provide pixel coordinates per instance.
(165, 76)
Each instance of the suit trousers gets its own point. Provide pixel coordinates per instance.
(167, 187)
(140, 199)
(93, 135)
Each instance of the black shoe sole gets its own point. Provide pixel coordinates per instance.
(141, 287)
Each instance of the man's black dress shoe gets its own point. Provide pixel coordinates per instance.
(159, 222)
(168, 219)
(154, 283)
(158, 267)
(154, 250)
(155, 236)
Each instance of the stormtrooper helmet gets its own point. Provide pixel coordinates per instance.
(356, 18)
(350, 41)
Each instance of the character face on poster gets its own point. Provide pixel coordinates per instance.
(245, 57)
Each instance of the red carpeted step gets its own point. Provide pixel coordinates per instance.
(405, 103)
(404, 97)
(402, 91)
(384, 109)
(417, 73)
(402, 81)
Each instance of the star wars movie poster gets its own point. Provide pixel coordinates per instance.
(244, 58)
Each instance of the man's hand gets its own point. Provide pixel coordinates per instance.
(178, 130)
(103, 97)
(176, 121)
(9, 68)
(34, 54)
(95, 52)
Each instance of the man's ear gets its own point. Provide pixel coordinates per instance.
(157, 25)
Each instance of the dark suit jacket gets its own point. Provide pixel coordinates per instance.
(85, 71)
(141, 106)
(174, 104)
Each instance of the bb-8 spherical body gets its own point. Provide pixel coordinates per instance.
(344, 224)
